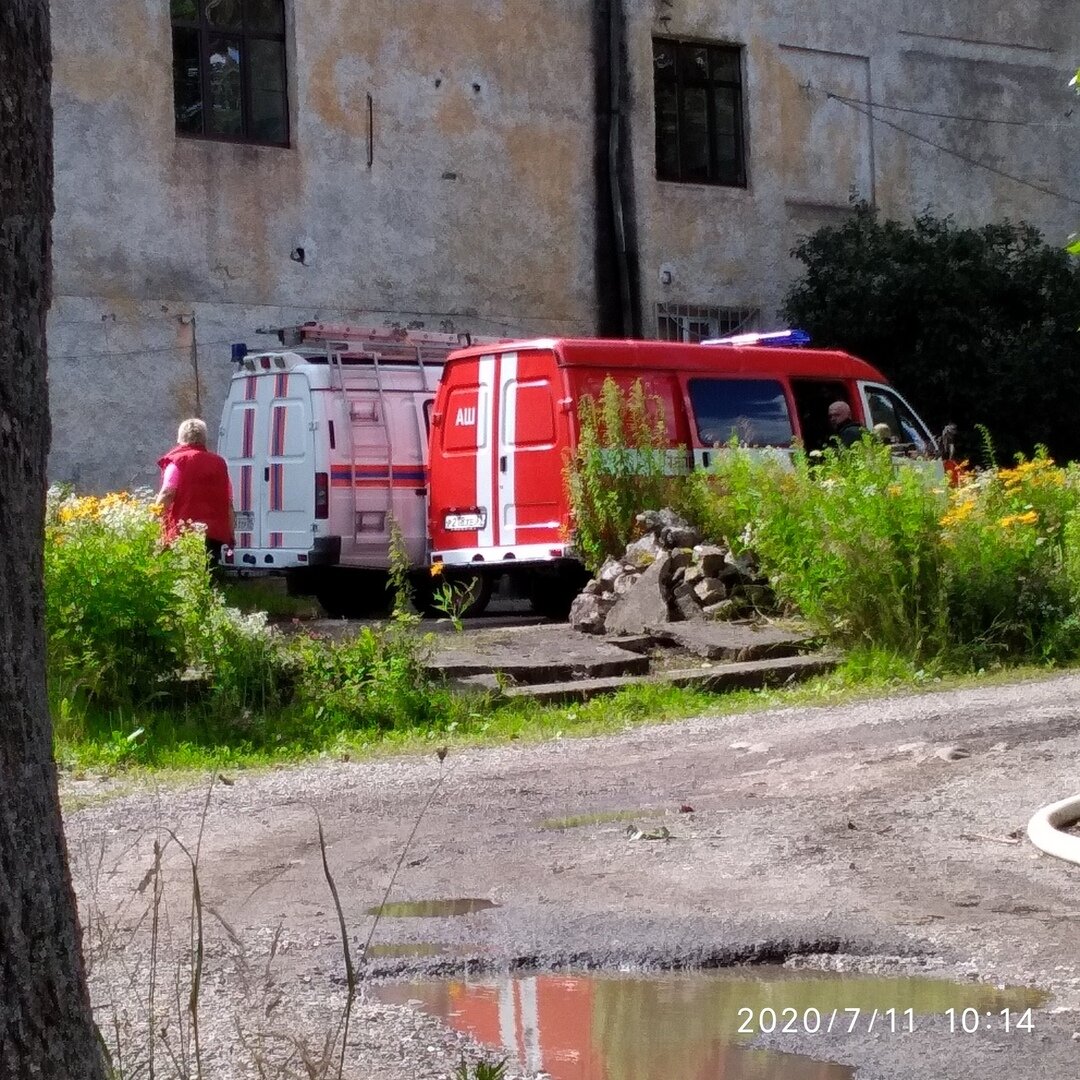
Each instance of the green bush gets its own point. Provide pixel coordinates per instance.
(881, 553)
(977, 325)
(375, 680)
(129, 622)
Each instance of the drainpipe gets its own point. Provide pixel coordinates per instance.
(615, 162)
(615, 229)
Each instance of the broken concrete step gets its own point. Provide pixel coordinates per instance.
(733, 641)
(529, 672)
(747, 675)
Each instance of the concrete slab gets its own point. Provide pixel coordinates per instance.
(748, 675)
(733, 641)
(535, 654)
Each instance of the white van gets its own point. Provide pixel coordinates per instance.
(326, 442)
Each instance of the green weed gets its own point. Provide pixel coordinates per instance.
(482, 1070)
(621, 466)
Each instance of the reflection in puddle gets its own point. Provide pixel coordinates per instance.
(676, 1026)
(431, 909)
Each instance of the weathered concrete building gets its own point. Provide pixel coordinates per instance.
(567, 166)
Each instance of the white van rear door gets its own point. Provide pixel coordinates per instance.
(269, 445)
(243, 438)
(288, 476)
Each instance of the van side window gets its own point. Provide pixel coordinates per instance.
(755, 411)
(886, 408)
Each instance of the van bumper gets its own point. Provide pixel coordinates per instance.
(324, 551)
(487, 556)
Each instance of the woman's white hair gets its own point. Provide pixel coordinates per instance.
(192, 433)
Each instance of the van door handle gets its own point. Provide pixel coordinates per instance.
(266, 473)
(502, 463)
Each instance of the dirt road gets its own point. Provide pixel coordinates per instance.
(887, 828)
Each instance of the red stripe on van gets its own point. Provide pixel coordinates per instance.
(249, 430)
(277, 478)
(245, 487)
(281, 385)
(250, 388)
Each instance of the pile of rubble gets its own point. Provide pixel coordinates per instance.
(669, 575)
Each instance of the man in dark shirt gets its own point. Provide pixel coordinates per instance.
(845, 430)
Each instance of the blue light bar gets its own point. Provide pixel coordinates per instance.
(773, 337)
(239, 351)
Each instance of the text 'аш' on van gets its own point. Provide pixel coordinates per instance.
(326, 441)
(506, 419)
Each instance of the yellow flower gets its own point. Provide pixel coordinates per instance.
(957, 513)
(1029, 517)
(436, 569)
(1039, 472)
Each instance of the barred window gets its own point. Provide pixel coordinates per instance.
(229, 70)
(698, 103)
(685, 322)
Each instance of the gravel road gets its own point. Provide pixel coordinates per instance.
(871, 831)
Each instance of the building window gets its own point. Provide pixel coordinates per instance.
(699, 124)
(684, 322)
(229, 70)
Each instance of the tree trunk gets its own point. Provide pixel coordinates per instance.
(46, 1030)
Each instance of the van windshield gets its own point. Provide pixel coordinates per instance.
(755, 411)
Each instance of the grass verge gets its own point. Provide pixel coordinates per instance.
(181, 742)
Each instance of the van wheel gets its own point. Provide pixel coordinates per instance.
(552, 592)
(353, 594)
(472, 592)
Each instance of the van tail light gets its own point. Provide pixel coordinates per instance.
(322, 496)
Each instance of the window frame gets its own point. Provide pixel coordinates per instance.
(205, 31)
(926, 437)
(683, 82)
(714, 321)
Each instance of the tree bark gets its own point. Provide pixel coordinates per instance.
(46, 1029)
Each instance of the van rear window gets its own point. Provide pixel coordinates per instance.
(755, 411)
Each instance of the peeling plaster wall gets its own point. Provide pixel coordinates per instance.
(476, 214)
(807, 153)
(479, 210)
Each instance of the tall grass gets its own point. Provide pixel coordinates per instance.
(622, 465)
(879, 552)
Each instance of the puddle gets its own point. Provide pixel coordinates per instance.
(431, 909)
(685, 1026)
(602, 818)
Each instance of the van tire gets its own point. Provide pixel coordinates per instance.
(424, 586)
(345, 593)
(552, 592)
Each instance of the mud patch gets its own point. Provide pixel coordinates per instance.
(420, 948)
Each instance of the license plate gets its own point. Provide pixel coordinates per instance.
(474, 519)
(245, 521)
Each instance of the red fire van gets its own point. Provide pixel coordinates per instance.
(505, 418)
